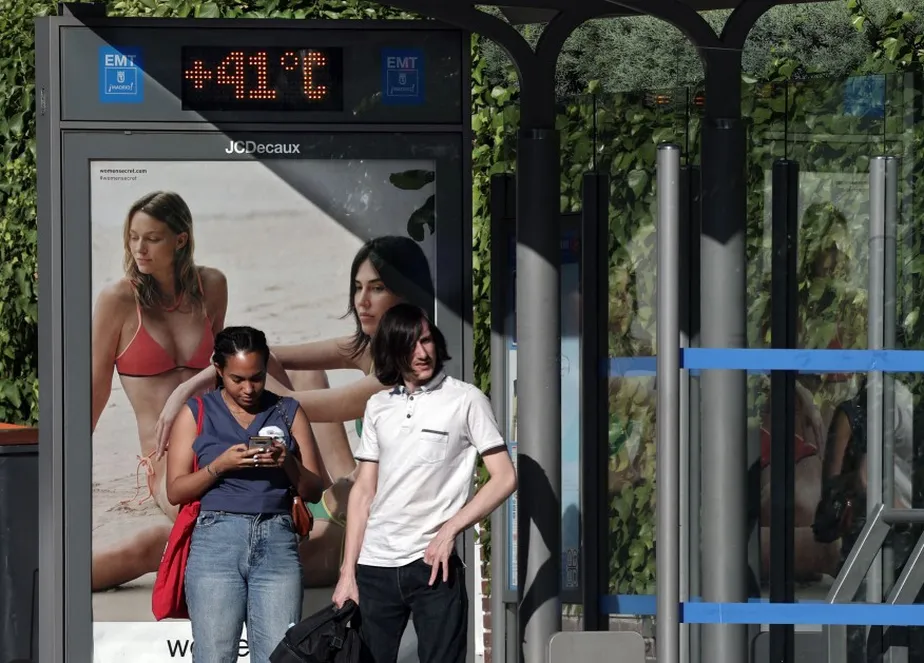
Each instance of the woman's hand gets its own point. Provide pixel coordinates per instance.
(239, 457)
(276, 455)
(168, 415)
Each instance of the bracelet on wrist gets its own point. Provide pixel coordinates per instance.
(208, 468)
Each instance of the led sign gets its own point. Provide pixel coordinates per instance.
(258, 78)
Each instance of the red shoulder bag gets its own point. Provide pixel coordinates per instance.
(168, 600)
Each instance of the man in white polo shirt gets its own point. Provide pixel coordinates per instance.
(410, 501)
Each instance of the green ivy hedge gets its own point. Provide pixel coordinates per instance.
(616, 134)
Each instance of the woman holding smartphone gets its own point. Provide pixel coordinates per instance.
(254, 449)
(385, 271)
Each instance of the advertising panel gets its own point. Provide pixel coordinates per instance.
(267, 245)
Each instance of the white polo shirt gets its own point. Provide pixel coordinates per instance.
(426, 444)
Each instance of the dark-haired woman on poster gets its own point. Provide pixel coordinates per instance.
(254, 447)
(385, 271)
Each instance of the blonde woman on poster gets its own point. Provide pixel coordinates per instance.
(155, 326)
(385, 271)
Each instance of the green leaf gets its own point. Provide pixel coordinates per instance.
(208, 10)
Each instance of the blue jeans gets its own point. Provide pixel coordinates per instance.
(242, 568)
(388, 597)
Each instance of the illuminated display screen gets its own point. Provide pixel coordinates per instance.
(229, 78)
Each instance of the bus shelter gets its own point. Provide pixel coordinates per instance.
(707, 603)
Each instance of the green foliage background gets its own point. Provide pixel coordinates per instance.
(789, 113)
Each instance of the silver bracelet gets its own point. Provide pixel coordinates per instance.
(208, 468)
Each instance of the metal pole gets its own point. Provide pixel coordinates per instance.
(784, 313)
(683, 441)
(888, 341)
(595, 452)
(500, 273)
(877, 195)
(725, 454)
(693, 497)
(539, 386)
(668, 405)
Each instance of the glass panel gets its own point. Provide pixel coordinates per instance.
(832, 130)
(634, 125)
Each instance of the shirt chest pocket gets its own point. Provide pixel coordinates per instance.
(432, 446)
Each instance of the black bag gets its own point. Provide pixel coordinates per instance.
(328, 636)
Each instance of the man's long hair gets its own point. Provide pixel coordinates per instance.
(394, 342)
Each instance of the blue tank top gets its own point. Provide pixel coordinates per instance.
(250, 491)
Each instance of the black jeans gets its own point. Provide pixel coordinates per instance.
(389, 596)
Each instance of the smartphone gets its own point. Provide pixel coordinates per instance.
(260, 442)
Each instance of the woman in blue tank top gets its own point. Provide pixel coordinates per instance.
(243, 564)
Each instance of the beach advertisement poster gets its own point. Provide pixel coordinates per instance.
(269, 244)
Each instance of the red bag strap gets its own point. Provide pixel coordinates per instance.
(199, 415)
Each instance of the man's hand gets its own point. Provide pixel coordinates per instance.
(439, 551)
(346, 590)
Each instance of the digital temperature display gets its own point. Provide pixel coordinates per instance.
(251, 78)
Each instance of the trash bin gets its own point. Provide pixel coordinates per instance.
(18, 542)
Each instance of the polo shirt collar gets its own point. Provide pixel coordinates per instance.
(433, 383)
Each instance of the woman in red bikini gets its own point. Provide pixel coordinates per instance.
(821, 323)
(812, 558)
(156, 326)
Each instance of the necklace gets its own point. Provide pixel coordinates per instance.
(236, 412)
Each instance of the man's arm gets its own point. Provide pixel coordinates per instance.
(500, 485)
(485, 436)
(358, 506)
(361, 496)
(360, 501)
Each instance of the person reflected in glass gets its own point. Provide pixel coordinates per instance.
(385, 271)
(243, 564)
(812, 558)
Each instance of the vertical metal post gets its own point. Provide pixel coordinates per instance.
(683, 416)
(539, 386)
(691, 229)
(668, 405)
(889, 306)
(875, 424)
(595, 452)
(500, 271)
(726, 555)
(53, 602)
(783, 301)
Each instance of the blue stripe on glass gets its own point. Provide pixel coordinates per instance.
(641, 604)
(754, 360)
(815, 361)
(857, 614)
(628, 604)
(761, 611)
(630, 367)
